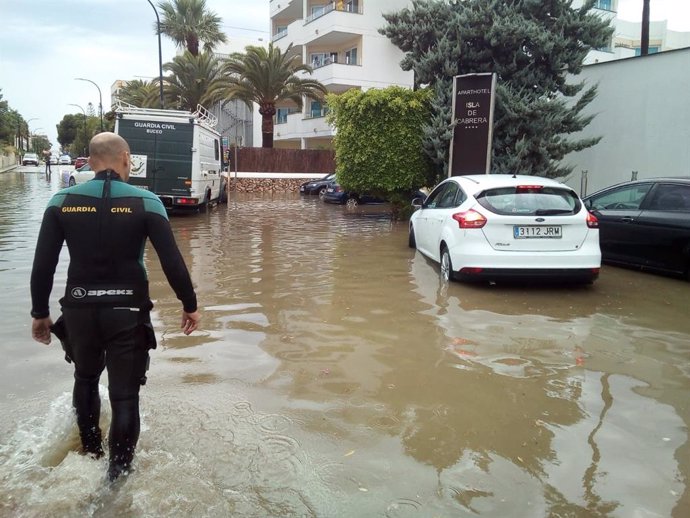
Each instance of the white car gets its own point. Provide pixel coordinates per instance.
(493, 227)
(65, 160)
(81, 175)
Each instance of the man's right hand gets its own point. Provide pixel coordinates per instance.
(190, 321)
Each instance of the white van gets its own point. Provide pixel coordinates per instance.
(175, 154)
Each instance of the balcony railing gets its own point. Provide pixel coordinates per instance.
(280, 34)
(334, 6)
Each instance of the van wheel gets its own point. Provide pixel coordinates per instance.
(72, 181)
(223, 197)
(411, 240)
(207, 199)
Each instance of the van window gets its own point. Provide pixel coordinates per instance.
(216, 149)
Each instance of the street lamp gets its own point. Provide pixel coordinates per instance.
(100, 97)
(160, 54)
(84, 112)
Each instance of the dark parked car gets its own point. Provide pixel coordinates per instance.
(645, 223)
(317, 186)
(336, 194)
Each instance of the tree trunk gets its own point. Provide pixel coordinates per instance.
(193, 44)
(644, 43)
(267, 111)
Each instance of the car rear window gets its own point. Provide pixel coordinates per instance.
(530, 201)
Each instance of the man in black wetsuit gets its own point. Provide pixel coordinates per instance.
(105, 310)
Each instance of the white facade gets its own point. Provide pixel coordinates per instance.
(626, 39)
(341, 42)
(642, 113)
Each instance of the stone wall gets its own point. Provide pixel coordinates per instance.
(266, 184)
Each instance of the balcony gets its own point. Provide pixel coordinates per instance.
(345, 7)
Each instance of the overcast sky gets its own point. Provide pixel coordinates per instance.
(45, 44)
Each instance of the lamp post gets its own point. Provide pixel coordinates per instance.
(84, 112)
(160, 54)
(100, 97)
(28, 131)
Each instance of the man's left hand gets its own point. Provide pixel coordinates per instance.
(40, 330)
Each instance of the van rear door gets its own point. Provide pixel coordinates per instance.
(164, 149)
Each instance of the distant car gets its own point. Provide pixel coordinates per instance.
(53, 160)
(645, 224)
(65, 160)
(81, 175)
(336, 194)
(497, 226)
(30, 159)
(80, 161)
(317, 186)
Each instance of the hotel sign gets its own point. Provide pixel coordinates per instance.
(473, 114)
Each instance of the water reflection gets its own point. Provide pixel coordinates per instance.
(336, 376)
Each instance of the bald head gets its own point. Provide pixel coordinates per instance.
(109, 151)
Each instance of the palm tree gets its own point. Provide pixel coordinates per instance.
(266, 77)
(188, 22)
(143, 94)
(194, 80)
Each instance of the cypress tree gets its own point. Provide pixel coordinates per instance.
(532, 46)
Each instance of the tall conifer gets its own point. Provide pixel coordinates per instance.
(532, 45)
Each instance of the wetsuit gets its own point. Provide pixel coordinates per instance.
(106, 305)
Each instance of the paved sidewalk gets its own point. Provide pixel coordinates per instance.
(8, 168)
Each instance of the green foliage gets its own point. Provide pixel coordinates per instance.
(189, 22)
(266, 77)
(194, 80)
(11, 123)
(39, 143)
(532, 45)
(67, 129)
(144, 94)
(378, 144)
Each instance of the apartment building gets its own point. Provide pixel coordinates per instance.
(341, 42)
(626, 39)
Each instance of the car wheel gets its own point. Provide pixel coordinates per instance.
(411, 241)
(352, 202)
(72, 181)
(322, 192)
(446, 266)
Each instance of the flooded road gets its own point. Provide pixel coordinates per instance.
(335, 376)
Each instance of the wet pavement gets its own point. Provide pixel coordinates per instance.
(335, 375)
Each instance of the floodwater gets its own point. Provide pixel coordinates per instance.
(335, 376)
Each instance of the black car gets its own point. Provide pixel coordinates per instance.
(336, 194)
(645, 223)
(317, 186)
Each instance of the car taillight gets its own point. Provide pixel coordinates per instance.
(338, 189)
(529, 188)
(592, 221)
(471, 270)
(186, 201)
(470, 219)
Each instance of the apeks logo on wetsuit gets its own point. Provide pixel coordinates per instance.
(109, 294)
(80, 293)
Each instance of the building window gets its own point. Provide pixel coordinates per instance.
(604, 4)
(321, 59)
(317, 110)
(652, 50)
(281, 115)
(351, 57)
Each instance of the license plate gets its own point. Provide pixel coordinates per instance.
(537, 231)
